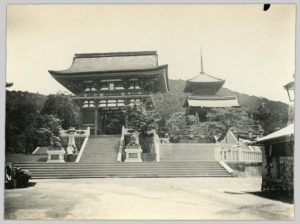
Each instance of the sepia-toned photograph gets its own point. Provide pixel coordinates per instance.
(149, 112)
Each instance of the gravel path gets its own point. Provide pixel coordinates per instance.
(145, 199)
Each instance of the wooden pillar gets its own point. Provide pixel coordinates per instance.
(80, 103)
(103, 123)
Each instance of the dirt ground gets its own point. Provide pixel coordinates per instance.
(145, 199)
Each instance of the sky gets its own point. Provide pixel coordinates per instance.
(252, 49)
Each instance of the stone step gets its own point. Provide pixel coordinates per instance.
(145, 164)
(132, 176)
(139, 170)
(101, 149)
(127, 169)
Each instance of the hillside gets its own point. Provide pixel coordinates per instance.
(172, 102)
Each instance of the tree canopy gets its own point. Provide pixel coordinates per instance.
(32, 119)
(62, 107)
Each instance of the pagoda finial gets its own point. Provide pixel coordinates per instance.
(202, 69)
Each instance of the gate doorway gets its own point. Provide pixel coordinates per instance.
(110, 122)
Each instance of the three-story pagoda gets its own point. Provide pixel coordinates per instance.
(203, 95)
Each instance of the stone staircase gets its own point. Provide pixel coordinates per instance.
(99, 160)
(135, 170)
(101, 149)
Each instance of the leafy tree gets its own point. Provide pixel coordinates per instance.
(172, 102)
(142, 120)
(22, 108)
(237, 119)
(25, 127)
(271, 116)
(62, 107)
(181, 126)
(45, 127)
(219, 121)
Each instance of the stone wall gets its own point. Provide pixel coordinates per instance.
(246, 169)
(181, 152)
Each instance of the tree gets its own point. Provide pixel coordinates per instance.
(62, 107)
(219, 121)
(237, 119)
(45, 127)
(21, 110)
(271, 116)
(142, 120)
(181, 126)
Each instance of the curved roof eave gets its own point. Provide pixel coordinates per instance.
(66, 72)
(189, 84)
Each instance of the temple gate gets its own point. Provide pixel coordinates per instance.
(103, 85)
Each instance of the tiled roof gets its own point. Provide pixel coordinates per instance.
(117, 61)
(203, 77)
(203, 84)
(211, 101)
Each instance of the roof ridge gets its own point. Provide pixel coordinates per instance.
(115, 54)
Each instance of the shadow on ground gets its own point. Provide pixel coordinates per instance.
(9, 187)
(283, 196)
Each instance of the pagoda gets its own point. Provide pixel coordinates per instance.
(104, 84)
(203, 95)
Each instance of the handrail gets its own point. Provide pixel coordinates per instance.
(121, 146)
(226, 167)
(83, 145)
(156, 146)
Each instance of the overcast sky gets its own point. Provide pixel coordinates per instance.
(253, 50)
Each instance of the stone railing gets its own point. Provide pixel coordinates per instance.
(87, 135)
(236, 153)
(156, 141)
(122, 145)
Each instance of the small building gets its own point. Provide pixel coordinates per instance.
(203, 89)
(278, 153)
(103, 85)
(278, 160)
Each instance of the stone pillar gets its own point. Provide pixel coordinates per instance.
(197, 117)
(96, 120)
(55, 155)
(133, 150)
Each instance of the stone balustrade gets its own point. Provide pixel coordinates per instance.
(86, 135)
(237, 153)
(122, 145)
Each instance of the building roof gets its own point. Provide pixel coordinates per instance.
(99, 66)
(211, 101)
(115, 61)
(286, 134)
(203, 77)
(204, 84)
